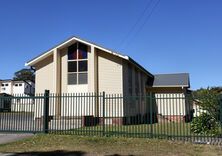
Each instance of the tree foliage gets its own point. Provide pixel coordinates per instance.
(208, 122)
(208, 99)
(205, 124)
(24, 74)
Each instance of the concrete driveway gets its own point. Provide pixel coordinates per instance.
(19, 122)
(7, 137)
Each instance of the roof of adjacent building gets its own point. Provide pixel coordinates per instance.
(5, 80)
(10, 80)
(171, 80)
(50, 51)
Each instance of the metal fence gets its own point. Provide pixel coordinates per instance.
(169, 116)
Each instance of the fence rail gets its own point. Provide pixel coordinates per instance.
(169, 116)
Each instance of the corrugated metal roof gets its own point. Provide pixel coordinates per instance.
(171, 80)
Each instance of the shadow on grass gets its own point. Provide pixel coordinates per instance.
(50, 153)
(119, 155)
(55, 153)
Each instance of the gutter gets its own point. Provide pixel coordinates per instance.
(140, 67)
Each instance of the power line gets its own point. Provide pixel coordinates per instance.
(145, 21)
(147, 18)
(138, 20)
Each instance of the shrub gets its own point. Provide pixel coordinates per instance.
(205, 124)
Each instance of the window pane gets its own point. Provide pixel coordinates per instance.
(72, 66)
(82, 66)
(83, 78)
(72, 79)
(72, 52)
(82, 51)
(82, 54)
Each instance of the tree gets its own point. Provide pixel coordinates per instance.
(24, 75)
(209, 100)
(218, 90)
(208, 122)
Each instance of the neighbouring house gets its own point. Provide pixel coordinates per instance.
(197, 108)
(172, 93)
(18, 88)
(80, 66)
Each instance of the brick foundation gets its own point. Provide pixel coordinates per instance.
(112, 121)
(130, 120)
(171, 118)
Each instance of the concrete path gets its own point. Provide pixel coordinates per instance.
(7, 137)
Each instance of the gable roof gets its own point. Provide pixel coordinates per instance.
(74, 38)
(171, 80)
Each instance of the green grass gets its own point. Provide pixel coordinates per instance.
(160, 130)
(71, 144)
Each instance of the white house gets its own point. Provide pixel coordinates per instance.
(19, 88)
(80, 66)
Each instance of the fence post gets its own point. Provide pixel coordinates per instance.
(46, 112)
(103, 113)
(151, 113)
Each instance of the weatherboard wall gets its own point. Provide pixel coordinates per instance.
(44, 75)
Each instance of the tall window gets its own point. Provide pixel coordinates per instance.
(142, 84)
(137, 82)
(77, 64)
(130, 81)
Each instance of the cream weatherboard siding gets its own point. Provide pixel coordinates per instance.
(64, 69)
(131, 106)
(44, 80)
(92, 69)
(143, 107)
(110, 73)
(171, 103)
(44, 75)
(110, 80)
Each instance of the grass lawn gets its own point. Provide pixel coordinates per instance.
(77, 145)
(159, 130)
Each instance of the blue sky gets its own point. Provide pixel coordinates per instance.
(180, 36)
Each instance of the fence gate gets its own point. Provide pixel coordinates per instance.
(17, 113)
